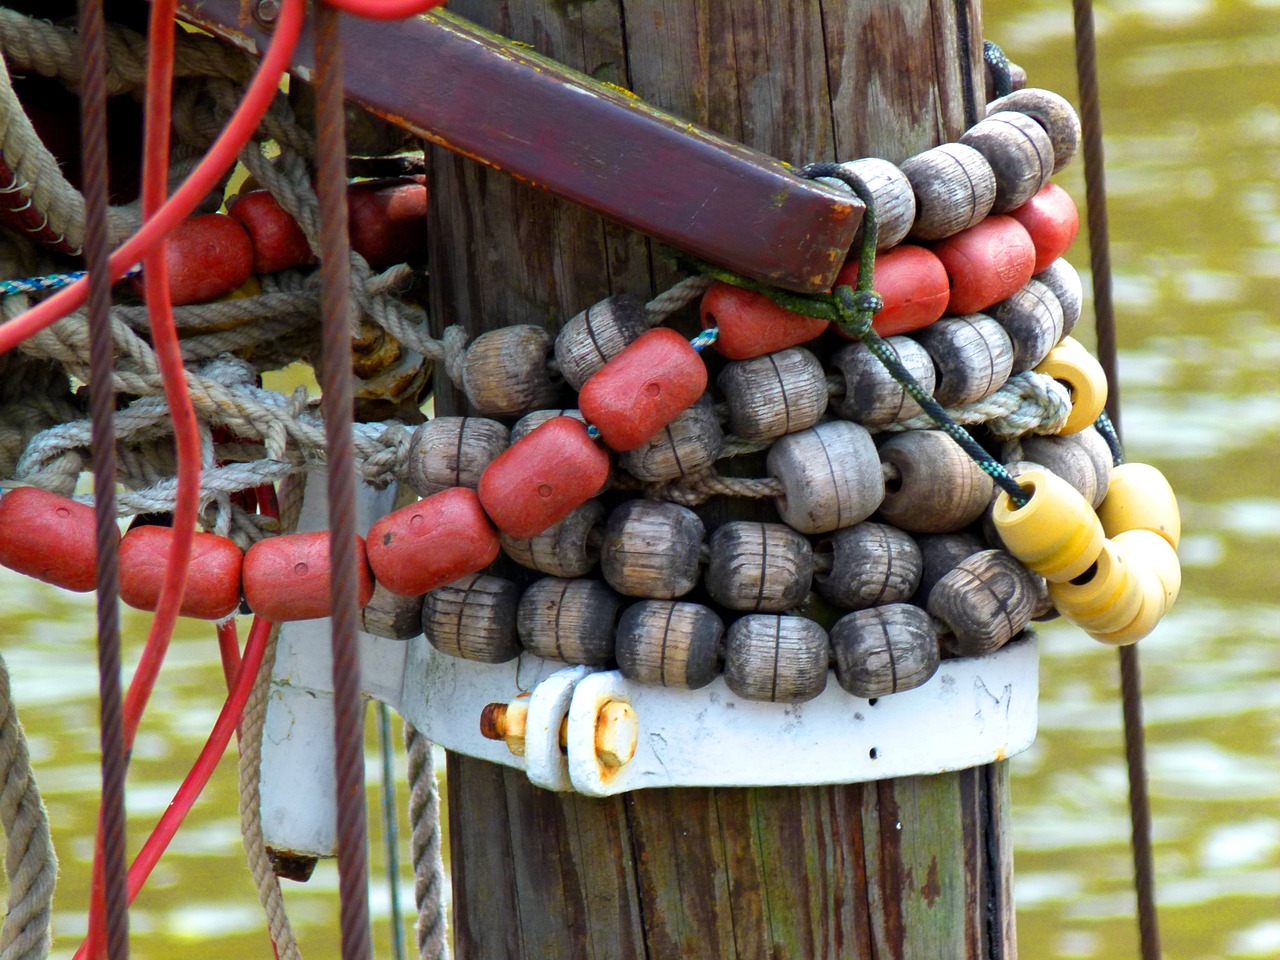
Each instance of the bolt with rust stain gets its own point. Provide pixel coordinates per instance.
(266, 12)
(617, 734)
(505, 722)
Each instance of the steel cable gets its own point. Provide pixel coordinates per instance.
(1135, 749)
(336, 396)
(109, 874)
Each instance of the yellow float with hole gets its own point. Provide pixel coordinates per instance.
(1071, 364)
(1106, 597)
(1153, 552)
(1152, 611)
(1055, 533)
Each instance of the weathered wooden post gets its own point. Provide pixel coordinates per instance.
(913, 868)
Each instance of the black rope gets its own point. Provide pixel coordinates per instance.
(1108, 431)
(998, 64)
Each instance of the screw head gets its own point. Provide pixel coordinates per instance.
(617, 734)
(266, 12)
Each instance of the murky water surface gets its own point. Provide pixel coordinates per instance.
(1193, 141)
(1192, 125)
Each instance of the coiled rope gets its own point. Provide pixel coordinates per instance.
(29, 860)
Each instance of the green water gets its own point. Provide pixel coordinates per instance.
(1191, 105)
(1193, 148)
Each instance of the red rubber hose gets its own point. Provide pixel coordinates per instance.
(185, 797)
(229, 651)
(384, 9)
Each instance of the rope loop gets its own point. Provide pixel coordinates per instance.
(857, 309)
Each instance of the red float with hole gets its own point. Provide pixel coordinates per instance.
(432, 542)
(213, 579)
(987, 263)
(1052, 220)
(751, 325)
(48, 537)
(542, 478)
(913, 285)
(643, 389)
(287, 578)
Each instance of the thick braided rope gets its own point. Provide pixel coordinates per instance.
(36, 174)
(251, 728)
(247, 410)
(428, 864)
(33, 45)
(698, 488)
(54, 456)
(677, 297)
(1029, 402)
(29, 860)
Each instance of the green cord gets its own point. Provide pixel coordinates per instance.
(1105, 427)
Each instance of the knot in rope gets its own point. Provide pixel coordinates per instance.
(856, 308)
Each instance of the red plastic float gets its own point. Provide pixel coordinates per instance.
(432, 542)
(1052, 220)
(987, 263)
(542, 478)
(387, 220)
(751, 325)
(643, 388)
(287, 578)
(48, 537)
(209, 256)
(213, 579)
(278, 241)
(913, 284)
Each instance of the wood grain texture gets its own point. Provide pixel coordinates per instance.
(972, 355)
(706, 873)
(779, 393)
(783, 659)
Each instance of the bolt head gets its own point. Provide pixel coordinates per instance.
(617, 734)
(266, 11)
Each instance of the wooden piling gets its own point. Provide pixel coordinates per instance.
(910, 868)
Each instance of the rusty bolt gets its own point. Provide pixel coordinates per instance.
(506, 722)
(617, 733)
(493, 721)
(266, 12)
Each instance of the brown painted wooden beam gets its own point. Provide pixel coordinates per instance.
(597, 144)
